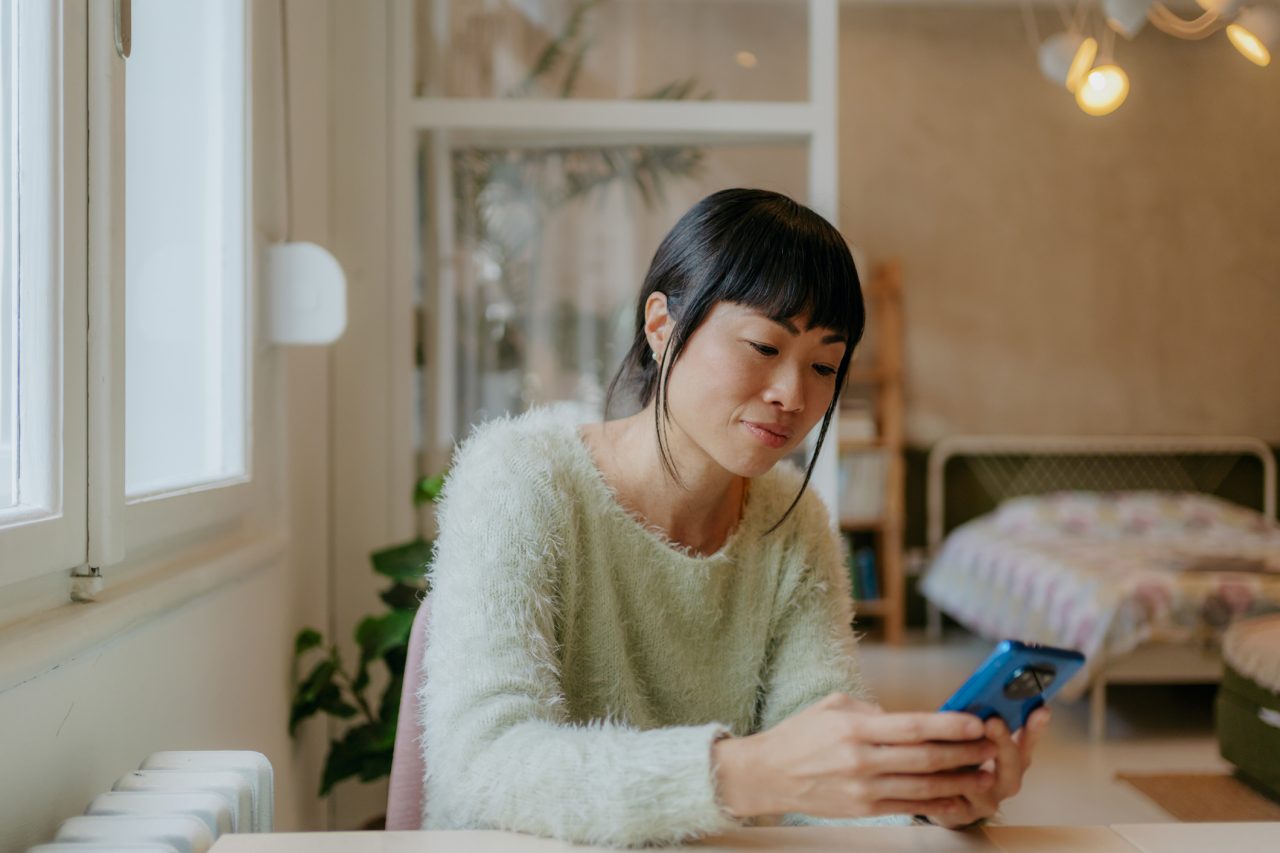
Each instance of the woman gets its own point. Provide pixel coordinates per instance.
(641, 629)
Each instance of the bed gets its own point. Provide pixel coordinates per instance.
(1138, 552)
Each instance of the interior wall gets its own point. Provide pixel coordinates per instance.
(1065, 273)
(214, 673)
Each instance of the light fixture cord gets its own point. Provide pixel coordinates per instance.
(284, 122)
(1064, 12)
(1029, 25)
(1108, 45)
(1170, 23)
(1081, 16)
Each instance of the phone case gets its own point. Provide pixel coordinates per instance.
(1016, 679)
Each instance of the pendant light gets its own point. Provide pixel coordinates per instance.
(1256, 34)
(1103, 90)
(1221, 8)
(1065, 58)
(1127, 17)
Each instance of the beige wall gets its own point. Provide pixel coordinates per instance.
(213, 673)
(1067, 274)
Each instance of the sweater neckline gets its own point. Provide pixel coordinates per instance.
(656, 536)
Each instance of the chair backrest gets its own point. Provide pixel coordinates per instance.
(404, 793)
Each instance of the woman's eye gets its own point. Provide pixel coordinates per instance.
(763, 349)
(825, 369)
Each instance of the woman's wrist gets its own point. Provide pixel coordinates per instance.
(738, 780)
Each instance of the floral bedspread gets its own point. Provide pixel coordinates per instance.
(1105, 572)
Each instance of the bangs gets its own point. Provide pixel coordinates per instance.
(789, 264)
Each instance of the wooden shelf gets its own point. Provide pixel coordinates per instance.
(855, 444)
(878, 381)
(869, 607)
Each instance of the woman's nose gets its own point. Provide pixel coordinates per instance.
(786, 391)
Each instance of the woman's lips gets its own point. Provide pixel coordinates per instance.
(766, 436)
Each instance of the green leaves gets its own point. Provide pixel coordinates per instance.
(428, 490)
(308, 638)
(317, 691)
(406, 563)
(364, 750)
(379, 634)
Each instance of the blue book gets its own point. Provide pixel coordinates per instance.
(868, 584)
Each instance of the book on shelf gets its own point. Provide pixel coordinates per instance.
(864, 561)
(863, 579)
(857, 421)
(861, 479)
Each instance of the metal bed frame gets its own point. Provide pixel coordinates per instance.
(1009, 466)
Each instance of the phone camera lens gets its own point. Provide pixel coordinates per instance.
(1028, 681)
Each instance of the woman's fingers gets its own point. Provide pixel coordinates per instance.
(929, 757)
(1030, 734)
(943, 807)
(918, 728)
(932, 786)
(1009, 765)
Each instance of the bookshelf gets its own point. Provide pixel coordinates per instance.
(871, 458)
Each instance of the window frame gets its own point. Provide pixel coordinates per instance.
(181, 515)
(89, 524)
(48, 534)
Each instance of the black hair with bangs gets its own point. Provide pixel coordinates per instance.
(758, 249)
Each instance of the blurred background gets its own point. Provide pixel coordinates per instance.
(1066, 217)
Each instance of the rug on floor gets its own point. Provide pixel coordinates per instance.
(1204, 797)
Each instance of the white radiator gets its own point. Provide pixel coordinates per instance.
(211, 807)
(178, 802)
(103, 847)
(182, 832)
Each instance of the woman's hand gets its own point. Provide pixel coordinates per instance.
(1013, 757)
(844, 758)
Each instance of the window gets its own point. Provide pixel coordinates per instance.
(8, 258)
(185, 247)
(125, 318)
(42, 308)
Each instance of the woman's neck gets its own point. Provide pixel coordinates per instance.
(699, 511)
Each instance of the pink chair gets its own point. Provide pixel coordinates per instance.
(404, 793)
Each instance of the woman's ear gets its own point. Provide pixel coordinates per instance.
(658, 324)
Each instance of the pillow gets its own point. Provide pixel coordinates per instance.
(1126, 514)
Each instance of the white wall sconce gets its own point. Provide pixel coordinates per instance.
(306, 294)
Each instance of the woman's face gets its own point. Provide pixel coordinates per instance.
(747, 389)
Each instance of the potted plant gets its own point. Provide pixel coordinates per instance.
(330, 687)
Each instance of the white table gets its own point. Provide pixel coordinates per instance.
(1135, 838)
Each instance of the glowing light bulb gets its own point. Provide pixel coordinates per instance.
(1066, 57)
(1256, 33)
(746, 59)
(1081, 63)
(1103, 90)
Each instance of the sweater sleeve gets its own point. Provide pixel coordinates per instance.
(499, 747)
(814, 651)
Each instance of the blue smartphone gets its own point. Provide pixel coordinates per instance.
(1015, 680)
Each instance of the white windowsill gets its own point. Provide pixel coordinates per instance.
(39, 644)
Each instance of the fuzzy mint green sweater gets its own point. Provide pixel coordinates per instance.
(579, 666)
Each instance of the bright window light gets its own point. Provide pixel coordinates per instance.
(186, 387)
